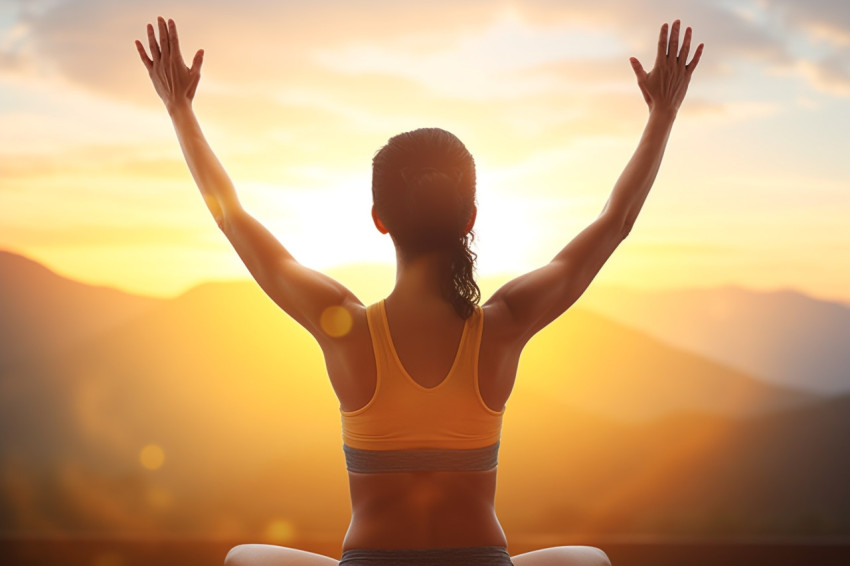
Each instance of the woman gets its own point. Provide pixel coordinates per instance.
(423, 376)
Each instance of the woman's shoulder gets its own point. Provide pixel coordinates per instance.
(347, 349)
(499, 323)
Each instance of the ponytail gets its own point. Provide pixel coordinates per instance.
(462, 290)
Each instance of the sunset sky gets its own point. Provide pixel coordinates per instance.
(296, 97)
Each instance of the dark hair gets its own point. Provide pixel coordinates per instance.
(423, 187)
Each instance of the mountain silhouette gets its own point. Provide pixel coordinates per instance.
(590, 363)
(783, 336)
(608, 431)
(42, 312)
(782, 474)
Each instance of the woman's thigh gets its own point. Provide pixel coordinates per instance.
(563, 556)
(270, 555)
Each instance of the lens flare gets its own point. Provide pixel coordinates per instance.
(336, 321)
(280, 531)
(152, 457)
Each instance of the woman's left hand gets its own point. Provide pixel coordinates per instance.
(175, 83)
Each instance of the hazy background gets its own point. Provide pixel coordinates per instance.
(700, 388)
(296, 97)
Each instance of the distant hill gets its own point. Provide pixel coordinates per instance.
(41, 312)
(590, 363)
(782, 474)
(608, 431)
(231, 389)
(782, 336)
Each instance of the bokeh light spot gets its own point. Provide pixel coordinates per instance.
(336, 321)
(152, 457)
(280, 531)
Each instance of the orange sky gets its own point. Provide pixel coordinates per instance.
(296, 99)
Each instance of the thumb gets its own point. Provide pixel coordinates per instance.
(195, 73)
(641, 79)
(197, 61)
(638, 69)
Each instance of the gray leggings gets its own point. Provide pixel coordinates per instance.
(465, 556)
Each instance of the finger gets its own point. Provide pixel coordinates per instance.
(686, 47)
(638, 69)
(662, 44)
(197, 62)
(674, 40)
(173, 42)
(163, 38)
(143, 54)
(195, 73)
(640, 73)
(155, 54)
(695, 60)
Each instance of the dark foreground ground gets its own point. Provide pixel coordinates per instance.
(32, 551)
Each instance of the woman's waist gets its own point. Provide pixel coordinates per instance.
(420, 532)
(423, 510)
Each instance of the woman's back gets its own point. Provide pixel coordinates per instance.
(426, 332)
(423, 397)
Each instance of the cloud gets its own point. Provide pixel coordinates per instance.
(278, 45)
(824, 25)
(82, 235)
(829, 75)
(11, 59)
(92, 40)
(296, 84)
(489, 63)
(726, 33)
(323, 80)
(84, 163)
(828, 19)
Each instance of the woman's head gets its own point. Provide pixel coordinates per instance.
(423, 187)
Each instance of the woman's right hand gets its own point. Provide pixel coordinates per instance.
(664, 87)
(175, 83)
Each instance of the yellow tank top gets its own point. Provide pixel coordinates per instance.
(403, 415)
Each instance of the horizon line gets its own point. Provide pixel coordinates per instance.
(489, 278)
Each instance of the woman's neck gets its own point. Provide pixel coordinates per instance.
(420, 278)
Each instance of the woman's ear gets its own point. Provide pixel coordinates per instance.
(471, 222)
(378, 224)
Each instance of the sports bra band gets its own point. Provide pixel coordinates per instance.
(421, 460)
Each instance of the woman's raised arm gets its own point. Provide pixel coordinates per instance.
(303, 293)
(528, 303)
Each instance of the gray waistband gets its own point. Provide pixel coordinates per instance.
(465, 556)
(421, 460)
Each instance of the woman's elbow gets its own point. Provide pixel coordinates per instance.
(618, 221)
(220, 221)
(626, 225)
(226, 218)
